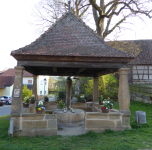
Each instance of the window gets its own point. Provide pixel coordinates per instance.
(41, 82)
(40, 92)
(29, 81)
(142, 72)
(45, 92)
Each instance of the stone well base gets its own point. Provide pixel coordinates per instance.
(32, 124)
(69, 119)
(114, 120)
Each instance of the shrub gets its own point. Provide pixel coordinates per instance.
(26, 92)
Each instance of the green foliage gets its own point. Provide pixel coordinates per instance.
(51, 84)
(105, 86)
(138, 125)
(100, 99)
(26, 92)
(62, 95)
(79, 99)
(46, 98)
(83, 81)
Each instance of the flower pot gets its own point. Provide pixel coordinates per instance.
(111, 107)
(105, 110)
(46, 100)
(83, 101)
(100, 103)
(32, 102)
(25, 105)
(39, 111)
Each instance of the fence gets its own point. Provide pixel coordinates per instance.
(145, 90)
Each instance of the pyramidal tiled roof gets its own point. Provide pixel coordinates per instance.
(70, 36)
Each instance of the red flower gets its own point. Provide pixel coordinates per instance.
(103, 107)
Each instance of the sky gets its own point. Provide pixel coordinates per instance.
(16, 29)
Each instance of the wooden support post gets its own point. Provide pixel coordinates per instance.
(68, 94)
(95, 90)
(34, 91)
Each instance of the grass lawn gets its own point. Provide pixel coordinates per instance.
(137, 138)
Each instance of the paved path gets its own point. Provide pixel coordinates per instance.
(5, 110)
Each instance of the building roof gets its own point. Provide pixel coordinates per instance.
(70, 36)
(11, 72)
(142, 49)
(6, 81)
(8, 76)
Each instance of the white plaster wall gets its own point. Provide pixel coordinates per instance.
(25, 80)
(7, 91)
(40, 84)
(40, 87)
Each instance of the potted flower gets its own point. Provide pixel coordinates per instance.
(101, 100)
(46, 99)
(26, 102)
(40, 109)
(32, 101)
(60, 104)
(110, 103)
(106, 106)
(82, 99)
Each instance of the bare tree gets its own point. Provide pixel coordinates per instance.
(48, 11)
(108, 14)
(123, 9)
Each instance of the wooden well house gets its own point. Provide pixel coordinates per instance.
(70, 48)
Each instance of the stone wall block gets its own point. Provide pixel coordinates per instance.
(107, 124)
(146, 97)
(97, 116)
(35, 117)
(52, 124)
(126, 121)
(118, 124)
(139, 99)
(50, 116)
(146, 101)
(34, 124)
(114, 117)
(39, 132)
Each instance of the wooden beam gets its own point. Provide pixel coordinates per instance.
(108, 71)
(31, 70)
(54, 69)
(81, 70)
(71, 64)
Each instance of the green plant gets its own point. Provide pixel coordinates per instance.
(82, 98)
(79, 99)
(40, 107)
(138, 125)
(26, 92)
(26, 100)
(106, 104)
(101, 99)
(46, 98)
(61, 104)
(33, 98)
(62, 95)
